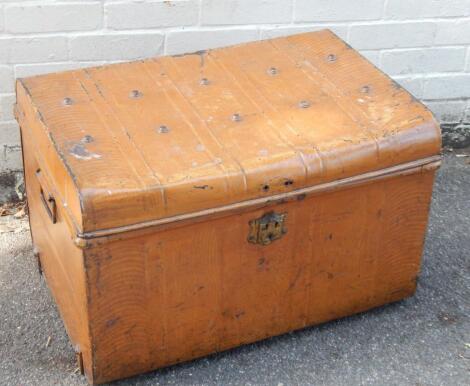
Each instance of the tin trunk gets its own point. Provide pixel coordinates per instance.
(186, 205)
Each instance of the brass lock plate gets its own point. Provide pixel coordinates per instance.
(266, 229)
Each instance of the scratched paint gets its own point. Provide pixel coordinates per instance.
(79, 151)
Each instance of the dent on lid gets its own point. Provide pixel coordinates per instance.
(173, 135)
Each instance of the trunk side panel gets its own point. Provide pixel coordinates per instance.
(61, 261)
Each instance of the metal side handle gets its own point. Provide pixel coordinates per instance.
(47, 199)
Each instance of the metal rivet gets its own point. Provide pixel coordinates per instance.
(331, 58)
(67, 101)
(204, 82)
(163, 129)
(236, 117)
(365, 89)
(304, 104)
(272, 71)
(87, 139)
(135, 94)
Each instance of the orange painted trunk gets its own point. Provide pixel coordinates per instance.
(185, 205)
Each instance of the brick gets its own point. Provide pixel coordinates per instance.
(216, 12)
(423, 60)
(467, 67)
(11, 157)
(1, 19)
(410, 9)
(413, 85)
(466, 117)
(115, 47)
(33, 49)
(6, 107)
(155, 14)
(337, 10)
(9, 132)
(53, 17)
(372, 56)
(447, 86)
(190, 41)
(392, 35)
(278, 31)
(447, 111)
(6, 79)
(25, 70)
(453, 32)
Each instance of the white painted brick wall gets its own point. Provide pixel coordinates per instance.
(446, 86)
(275, 31)
(1, 18)
(446, 111)
(187, 41)
(454, 31)
(389, 35)
(337, 10)
(423, 44)
(467, 68)
(404, 9)
(427, 60)
(33, 49)
(9, 133)
(129, 15)
(53, 17)
(119, 46)
(6, 79)
(6, 107)
(217, 12)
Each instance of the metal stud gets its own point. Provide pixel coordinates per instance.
(331, 58)
(204, 82)
(87, 139)
(163, 129)
(236, 117)
(304, 104)
(273, 71)
(135, 94)
(67, 101)
(365, 89)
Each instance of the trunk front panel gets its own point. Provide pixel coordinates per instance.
(182, 293)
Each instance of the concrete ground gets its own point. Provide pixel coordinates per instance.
(424, 340)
